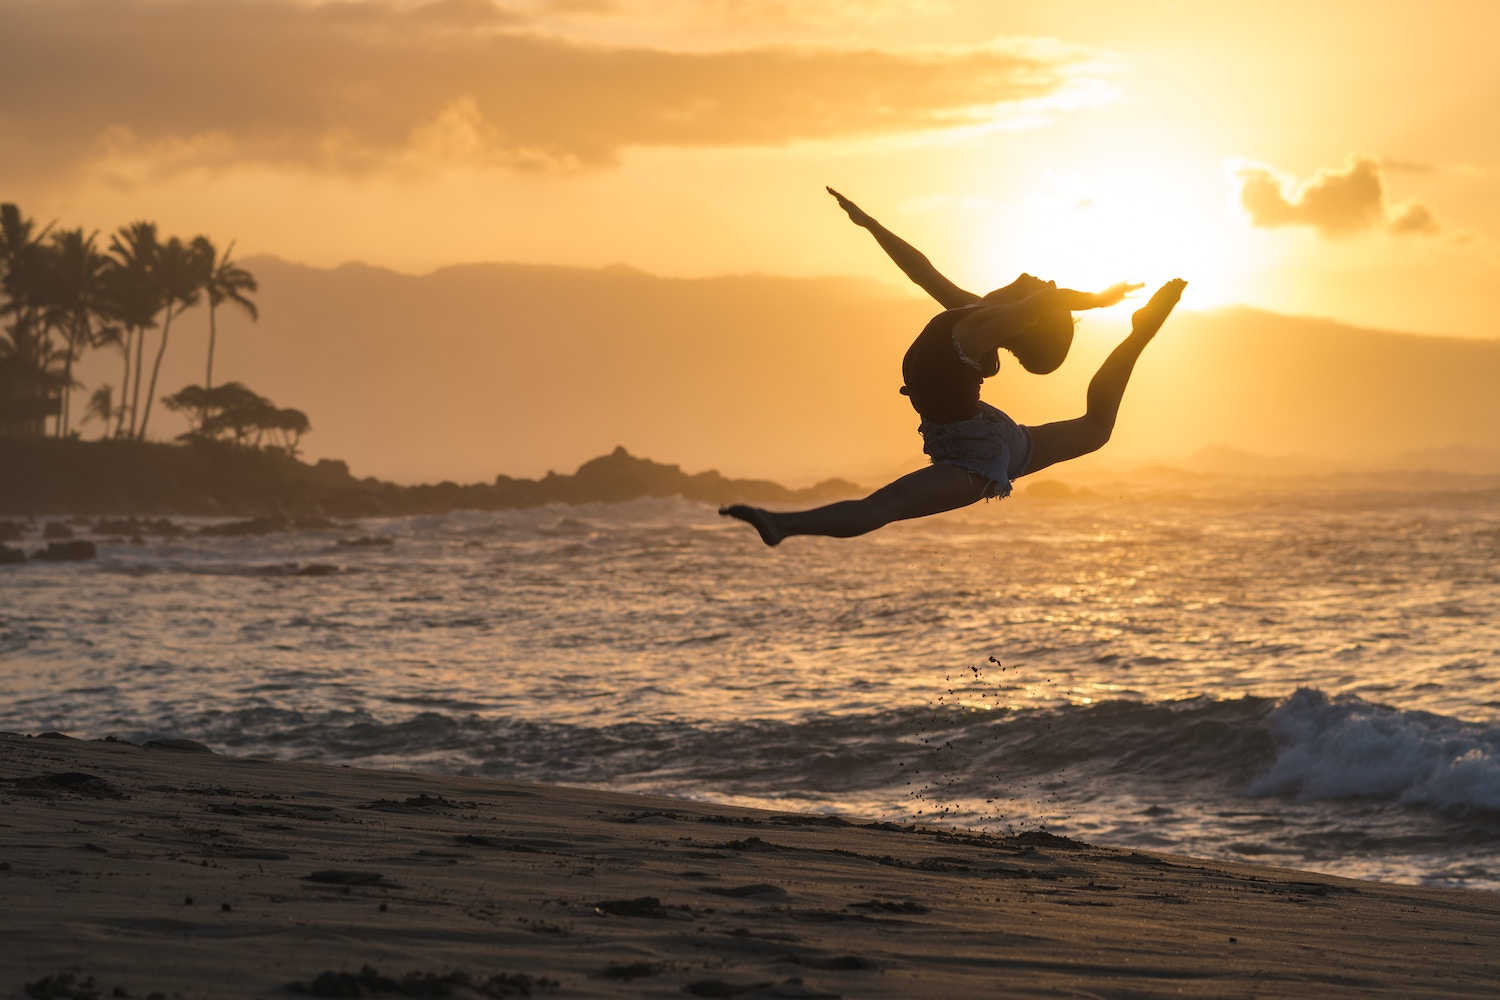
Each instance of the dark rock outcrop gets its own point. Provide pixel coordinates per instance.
(271, 491)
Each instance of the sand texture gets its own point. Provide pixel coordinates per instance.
(127, 871)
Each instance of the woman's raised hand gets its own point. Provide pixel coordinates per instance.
(1114, 293)
(856, 214)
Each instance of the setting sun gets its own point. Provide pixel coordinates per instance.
(1090, 227)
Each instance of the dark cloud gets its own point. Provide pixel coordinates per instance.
(1334, 202)
(362, 85)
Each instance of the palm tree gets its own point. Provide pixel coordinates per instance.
(19, 256)
(30, 385)
(101, 407)
(76, 297)
(110, 335)
(226, 282)
(128, 304)
(178, 279)
(23, 261)
(135, 299)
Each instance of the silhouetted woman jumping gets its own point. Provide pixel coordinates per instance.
(977, 450)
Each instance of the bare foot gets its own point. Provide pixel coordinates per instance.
(759, 519)
(1148, 318)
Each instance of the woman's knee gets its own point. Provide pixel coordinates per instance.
(876, 511)
(932, 490)
(1066, 440)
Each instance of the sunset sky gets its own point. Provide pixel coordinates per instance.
(1330, 159)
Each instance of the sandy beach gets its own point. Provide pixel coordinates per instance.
(133, 871)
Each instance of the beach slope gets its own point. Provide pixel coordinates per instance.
(129, 870)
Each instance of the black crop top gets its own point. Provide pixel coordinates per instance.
(943, 387)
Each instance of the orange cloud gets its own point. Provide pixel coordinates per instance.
(362, 85)
(1334, 202)
(1413, 218)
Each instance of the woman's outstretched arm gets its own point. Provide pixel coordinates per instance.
(1077, 301)
(907, 257)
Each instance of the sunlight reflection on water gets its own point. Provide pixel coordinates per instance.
(653, 644)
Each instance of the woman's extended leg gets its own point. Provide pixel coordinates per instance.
(927, 491)
(1065, 439)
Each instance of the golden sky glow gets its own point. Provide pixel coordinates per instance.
(1331, 159)
(1087, 139)
(1337, 159)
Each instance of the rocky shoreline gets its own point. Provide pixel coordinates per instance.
(112, 479)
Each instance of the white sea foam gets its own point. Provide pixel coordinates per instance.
(1340, 748)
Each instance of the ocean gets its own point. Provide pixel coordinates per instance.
(1309, 679)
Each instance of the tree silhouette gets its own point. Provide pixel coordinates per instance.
(60, 296)
(197, 404)
(136, 299)
(111, 335)
(178, 277)
(29, 385)
(226, 283)
(291, 424)
(76, 296)
(238, 411)
(101, 406)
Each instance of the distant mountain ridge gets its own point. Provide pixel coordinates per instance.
(479, 369)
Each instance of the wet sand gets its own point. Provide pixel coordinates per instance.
(127, 871)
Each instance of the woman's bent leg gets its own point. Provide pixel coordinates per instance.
(1067, 439)
(932, 490)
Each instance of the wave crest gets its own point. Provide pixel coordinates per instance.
(1345, 747)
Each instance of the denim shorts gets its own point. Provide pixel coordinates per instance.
(990, 445)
